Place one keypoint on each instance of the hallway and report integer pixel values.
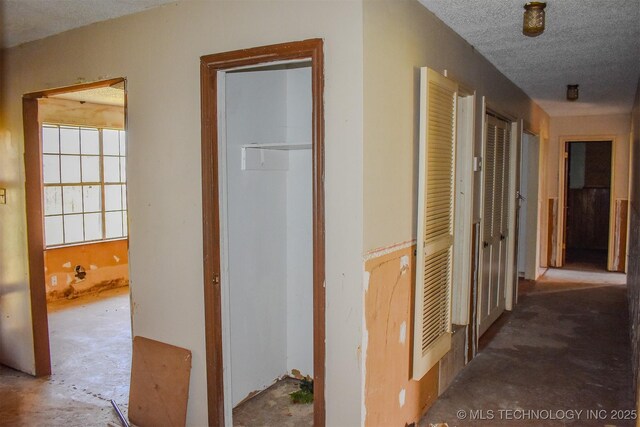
(564, 348)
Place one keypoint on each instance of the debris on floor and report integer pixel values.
(305, 394)
(273, 407)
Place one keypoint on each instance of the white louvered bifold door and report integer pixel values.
(489, 201)
(436, 182)
(505, 141)
(495, 218)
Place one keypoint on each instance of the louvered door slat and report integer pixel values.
(507, 161)
(498, 183)
(489, 181)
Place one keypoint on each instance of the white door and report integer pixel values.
(495, 221)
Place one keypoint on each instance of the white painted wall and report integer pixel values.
(16, 339)
(299, 225)
(158, 52)
(256, 199)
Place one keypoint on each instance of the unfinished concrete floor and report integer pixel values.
(90, 339)
(565, 347)
(273, 407)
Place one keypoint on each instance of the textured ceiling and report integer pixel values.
(593, 43)
(101, 95)
(26, 20)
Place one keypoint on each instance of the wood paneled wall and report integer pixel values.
(621, 214)
(588, 218)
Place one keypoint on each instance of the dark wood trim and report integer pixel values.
(35, 236)
(565, 206)
(551, 262)
(74, 88)
(210, 65)
(472, 330)
(620, 232)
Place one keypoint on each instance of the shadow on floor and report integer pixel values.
(586, 259)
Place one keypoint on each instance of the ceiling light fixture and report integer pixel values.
(572, 92)
(533, 22)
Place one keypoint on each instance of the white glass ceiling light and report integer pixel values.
(533, 22)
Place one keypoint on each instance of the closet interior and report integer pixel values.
(266, 199)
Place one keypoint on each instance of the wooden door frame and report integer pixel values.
(210, 65)
(35, 217)
(562, 187)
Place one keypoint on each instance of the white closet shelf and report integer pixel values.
(279, 146)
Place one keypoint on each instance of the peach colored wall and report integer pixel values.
(105, 263)
(618, 126)
(391, 396)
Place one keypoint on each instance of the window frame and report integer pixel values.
(102, 184)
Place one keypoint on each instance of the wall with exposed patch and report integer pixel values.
(391, 396)
(400, 36)
(105, 266)
(158, 52)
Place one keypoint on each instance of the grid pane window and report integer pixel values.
(84, 184)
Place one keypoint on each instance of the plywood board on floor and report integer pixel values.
(160, 376)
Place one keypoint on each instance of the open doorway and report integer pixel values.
(75, 150)
(263, 237)
(587, 204)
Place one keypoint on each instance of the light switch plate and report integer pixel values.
(3, 196)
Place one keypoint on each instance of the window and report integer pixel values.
(85, 184)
